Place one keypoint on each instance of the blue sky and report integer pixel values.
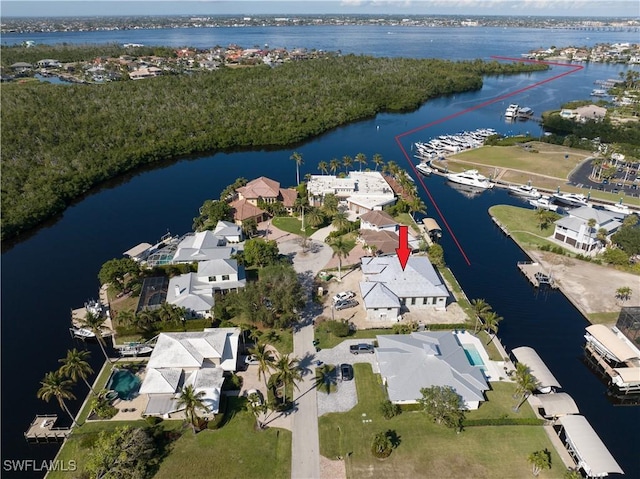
(586, 8)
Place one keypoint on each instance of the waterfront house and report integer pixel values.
(266, 190)
(379, 232)
(590, 112)
(243, 210)
(197, 358)
(410, 362)
(362, 191)
(574, 230)
(205, 246)
(386, 288)
(378, 221)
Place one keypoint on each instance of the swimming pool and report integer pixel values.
(473, 355)
(124, 382)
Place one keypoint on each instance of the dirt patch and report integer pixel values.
(332, 469)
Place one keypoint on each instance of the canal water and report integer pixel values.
(55, 269)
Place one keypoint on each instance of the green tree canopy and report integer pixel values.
(260, 252)
(211, 212)
(116, 270)
(443, 404)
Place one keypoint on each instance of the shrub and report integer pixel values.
(410, 407)
(389, 409)
(503, 421)
(381, 445)
(153, 420)
(232, 383)
(338, 328)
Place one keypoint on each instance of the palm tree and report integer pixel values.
(56, 385)
(362, 159)
(601, 235)
(624, 293)
(265, 360)
(314, 217)
(491, 320)
(340, 220)
(526, 383)
(126, 318)
(377, 160)
(75, 366)
(347, 161)
(191, 400)
(334, 164)
(323, 166)
(591, 224)
(325, 378)
(297, 157)
(287, 370)
(416, 205)
(94, 322)
(480, 307)
(341, 250)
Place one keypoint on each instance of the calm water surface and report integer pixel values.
(55, 269)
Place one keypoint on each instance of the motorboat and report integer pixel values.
(82, 333)
(424, 169)
(574, 200)
(543, 203)
(470, 178)
(525, 113)
(526, 191)
(511, 111)
(136, 349)
(618, 208)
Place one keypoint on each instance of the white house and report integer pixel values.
(203, 246)
(191, 358)
(378, 221)
(362, 190)
(410, 362)
(386, 287)
(574, 230)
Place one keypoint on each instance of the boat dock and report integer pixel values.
(42, 429)
(536, 275)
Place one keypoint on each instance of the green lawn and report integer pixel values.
(522, 225)
(406, 219)
(427, 449)
(236, 450)
(329, 340)
(292, 225)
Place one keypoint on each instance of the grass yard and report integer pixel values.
(406, 219)
(236, 450)
(522, 225)
(292, 225)
(329, 340)
(429, 450)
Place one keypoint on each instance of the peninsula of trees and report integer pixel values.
(59, 141)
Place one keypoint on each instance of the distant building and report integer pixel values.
(590, 112)
(574, 230)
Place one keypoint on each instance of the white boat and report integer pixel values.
(543, 203)
(525, 113)
(598, 92)
(82, 333)
(136, 349)
(512, 111)
(526, 191)
(618, 208)
(574, 200)
(470, 178)
(424, 169)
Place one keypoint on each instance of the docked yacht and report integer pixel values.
(543, 203)
(525, 113)
(618, 208)
(526, 191)
(512, 111)
(470, 178)
(574, 200)
(424, 169)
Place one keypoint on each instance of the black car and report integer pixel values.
(346, 372)
(349, 303)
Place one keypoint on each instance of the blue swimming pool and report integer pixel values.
(124, 382)
(473, 355)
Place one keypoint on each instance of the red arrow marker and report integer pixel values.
(403, 249)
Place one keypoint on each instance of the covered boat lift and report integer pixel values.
(433, 229)
(609, 345)
(557, 404)
(538, 368)
(586, 447)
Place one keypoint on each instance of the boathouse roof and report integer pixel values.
(538, 368)
(587, 448)
(558, 404)
(615, 345)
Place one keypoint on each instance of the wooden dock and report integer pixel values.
(536, 275)
(42, 429)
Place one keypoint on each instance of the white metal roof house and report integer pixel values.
(574, 229)
(202, 246)
(410, 362)
(192, 358)
(231, 232)
(362, 190)
(386, 287)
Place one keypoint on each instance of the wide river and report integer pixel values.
(55, 268)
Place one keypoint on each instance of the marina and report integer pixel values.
(445, 145)
(471, 178)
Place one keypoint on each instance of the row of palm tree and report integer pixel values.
(334, 164)
(486, 317)
(58, 384)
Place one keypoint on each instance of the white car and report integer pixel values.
(251, 359)
(343, 296)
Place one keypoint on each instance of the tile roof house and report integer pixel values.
(387, 288)
(267, 190)
(245, 210)
(574, 230)
(410, 362)
(191, 358)
(378, 221)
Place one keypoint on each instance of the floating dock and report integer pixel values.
(536, 275)
(42, 430)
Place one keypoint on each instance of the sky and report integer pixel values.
(582, 8)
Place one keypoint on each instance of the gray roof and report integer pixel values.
(377, 295)
(419, 278)
(557, 404)
(161, 404)
(591, 452)
(161, 381)
(202, 246)
(217, 266)
(538, 368)
(227, 229)
(580, 217)
(186, 291)
(425, 359)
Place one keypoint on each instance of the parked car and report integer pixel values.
(343, 296)
(361, 348)
(350, 303)
(346, 372)
(251, 359)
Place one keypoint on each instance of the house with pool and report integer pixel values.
(410, 362)
(199, 358)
